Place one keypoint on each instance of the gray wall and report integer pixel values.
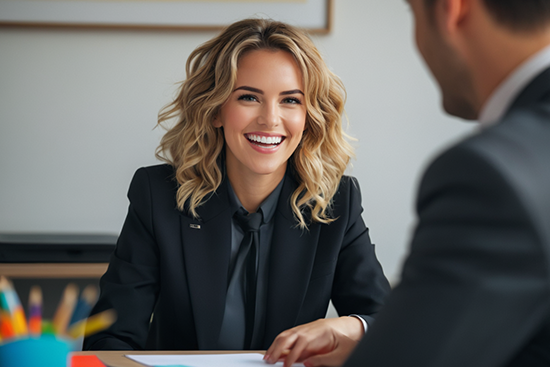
(78, 108)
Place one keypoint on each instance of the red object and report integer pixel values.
(35, 325)
(86, 361)
(6, 326)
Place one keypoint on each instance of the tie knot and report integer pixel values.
(249, 222)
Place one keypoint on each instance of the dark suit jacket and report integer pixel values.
(163, 266)
(475, 288)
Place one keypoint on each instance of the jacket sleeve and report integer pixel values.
(474, 286)
(360, 285)
(130, 285)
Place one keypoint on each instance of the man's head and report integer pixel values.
(470, 46)
(517, 15)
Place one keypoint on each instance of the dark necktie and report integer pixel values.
(250, 223)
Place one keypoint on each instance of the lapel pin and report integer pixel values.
(195, 226)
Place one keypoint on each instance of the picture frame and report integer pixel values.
(312, 15)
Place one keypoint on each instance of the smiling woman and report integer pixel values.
(212, 70)
(251, 227)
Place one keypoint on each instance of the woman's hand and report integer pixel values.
(325, 342)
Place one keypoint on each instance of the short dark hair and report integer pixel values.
(519, 15)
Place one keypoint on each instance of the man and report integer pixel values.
(475, 289)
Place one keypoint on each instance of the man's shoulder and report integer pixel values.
(512, 156)
(519, 141)
(518, 144)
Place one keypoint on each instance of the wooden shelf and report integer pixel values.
(53, 270)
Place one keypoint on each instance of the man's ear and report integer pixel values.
(451, 14)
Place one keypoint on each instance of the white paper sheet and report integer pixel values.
(204, 360)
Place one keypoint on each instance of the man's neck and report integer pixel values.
(497, 54)
(507, 91)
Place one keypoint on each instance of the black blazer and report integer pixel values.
(475, 288)
(164, 267)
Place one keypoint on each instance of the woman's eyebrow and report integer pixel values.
(255, 90)
(294, 91)
(259, 91)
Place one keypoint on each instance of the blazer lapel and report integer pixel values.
(290, 264)
(206, 247)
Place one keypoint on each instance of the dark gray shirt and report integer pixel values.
(233, 325)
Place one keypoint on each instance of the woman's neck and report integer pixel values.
(252, 190)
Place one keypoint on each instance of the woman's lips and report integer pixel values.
(264, 143)
(265, 139)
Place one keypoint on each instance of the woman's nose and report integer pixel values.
(270, 115)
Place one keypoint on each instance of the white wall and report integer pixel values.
(78, 107)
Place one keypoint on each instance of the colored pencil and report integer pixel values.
(6, 325)
(93, 324)
(65, 309)
(10, 303)
(4, 303)
(87, 300)
(35, 311)
(47, 328)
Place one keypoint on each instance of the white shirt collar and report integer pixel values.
(501, 99)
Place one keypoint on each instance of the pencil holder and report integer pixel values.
(46, 351)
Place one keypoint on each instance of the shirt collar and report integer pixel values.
(502, 98)
(267, 207)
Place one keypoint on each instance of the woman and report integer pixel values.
(258, 134)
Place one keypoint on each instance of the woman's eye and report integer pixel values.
(248, 97)
(292, 100)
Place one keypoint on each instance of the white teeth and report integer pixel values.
(264, 139)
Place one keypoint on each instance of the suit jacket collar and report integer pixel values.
(536, 91)
(290, 264)
(206, 247)
(508, 90)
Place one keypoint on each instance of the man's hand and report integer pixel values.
(325, 342)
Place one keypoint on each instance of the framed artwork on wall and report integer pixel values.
(313, 15)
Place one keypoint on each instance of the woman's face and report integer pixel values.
(264, 117)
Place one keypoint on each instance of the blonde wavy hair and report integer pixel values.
(194, 147)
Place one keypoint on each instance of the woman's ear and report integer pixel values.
(216, 121)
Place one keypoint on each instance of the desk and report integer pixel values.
(116, 358)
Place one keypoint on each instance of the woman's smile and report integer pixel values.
(264, 142)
